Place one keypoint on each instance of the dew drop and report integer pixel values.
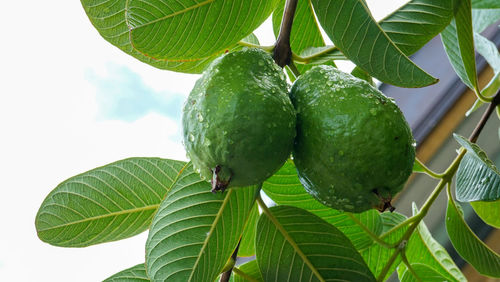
(200, 117)
(191, 137)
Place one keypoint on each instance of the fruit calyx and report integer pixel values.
(221, 177)
(385, 202)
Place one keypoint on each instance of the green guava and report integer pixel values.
(238, 121)
(354, 149)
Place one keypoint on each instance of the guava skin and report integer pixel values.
(354, 149)
(238, 121)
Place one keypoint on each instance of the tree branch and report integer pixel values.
(282, 54)
(491, 107)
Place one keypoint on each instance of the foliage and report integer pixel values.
(195, 235)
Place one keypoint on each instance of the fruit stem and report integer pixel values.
(282, 51)
(369, 232)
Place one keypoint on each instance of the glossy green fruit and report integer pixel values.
(238, 121)
(354, 149)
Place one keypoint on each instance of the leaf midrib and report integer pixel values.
(210, 232)
(294, 245)
(117, 213)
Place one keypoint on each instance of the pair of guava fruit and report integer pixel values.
(352, 146)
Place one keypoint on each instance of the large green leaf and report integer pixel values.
(416, 23)
(134, 274)
(458, 43)
(247, 272)
(247, 246)
(489, 212)
(424, 249)
(195, 231)
(295, 245)
(192, 29)
(377, 256)
(468, 245)
(105, 204)
(477, 177)
(424, 273)
(108, 17)
(485, 4)
(353, 30)
(284, 188)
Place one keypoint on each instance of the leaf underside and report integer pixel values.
(352, 29)
(109, 203)
(195, 231)
(295, 245)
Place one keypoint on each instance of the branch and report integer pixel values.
(226, 275)
(491, 107)
(282, 51)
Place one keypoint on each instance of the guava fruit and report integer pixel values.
(238, 121)
(354, 149)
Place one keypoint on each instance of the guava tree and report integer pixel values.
(197, 235)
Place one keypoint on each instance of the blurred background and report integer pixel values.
(70, 101)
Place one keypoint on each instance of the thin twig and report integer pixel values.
(491, 107)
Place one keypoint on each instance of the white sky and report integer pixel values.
(50, 131)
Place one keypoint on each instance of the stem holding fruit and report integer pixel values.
(282, 51)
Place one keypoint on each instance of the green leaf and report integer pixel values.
(470, 248)
(321, 55)
(109, 203)
(195, 231)
(489, 212)
(284, 188)
(247, 272)
(424, 272)
(190, 29)
(488, 50)
(377, 256)
(134, 274)
(477, 177)
(485, 4)
(424, 249)
(458, 43)
(247, 246)
(483, 18)
(359, 73)
(108, 17)
(416, 23)
(352, 29)
(305, 30)
(295, 245)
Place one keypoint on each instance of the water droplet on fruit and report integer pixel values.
(191, 137)
(200, 117)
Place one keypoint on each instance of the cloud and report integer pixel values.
(121, 94)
